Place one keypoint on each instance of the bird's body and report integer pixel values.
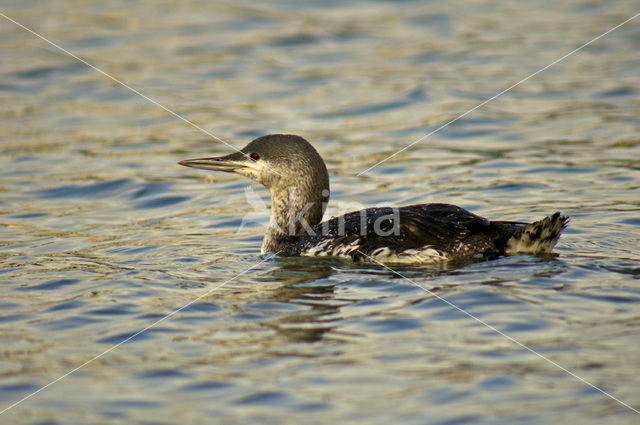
(425, 233)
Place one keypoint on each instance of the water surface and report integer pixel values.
(103, 234)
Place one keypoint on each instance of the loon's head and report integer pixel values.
(289, 167)
(275, 161)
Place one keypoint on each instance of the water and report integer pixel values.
(103, 234)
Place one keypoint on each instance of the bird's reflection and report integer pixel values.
(306, 283)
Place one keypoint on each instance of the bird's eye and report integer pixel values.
(255, 156)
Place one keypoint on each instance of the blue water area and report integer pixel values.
(87, 191)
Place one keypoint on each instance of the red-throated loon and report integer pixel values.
(298, 182)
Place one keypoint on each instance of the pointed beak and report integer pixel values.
(228, 163)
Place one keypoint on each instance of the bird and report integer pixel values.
(298, 182)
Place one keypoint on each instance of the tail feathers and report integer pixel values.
(538, 237)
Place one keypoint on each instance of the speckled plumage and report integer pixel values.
(427, 233)
(297, 179)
